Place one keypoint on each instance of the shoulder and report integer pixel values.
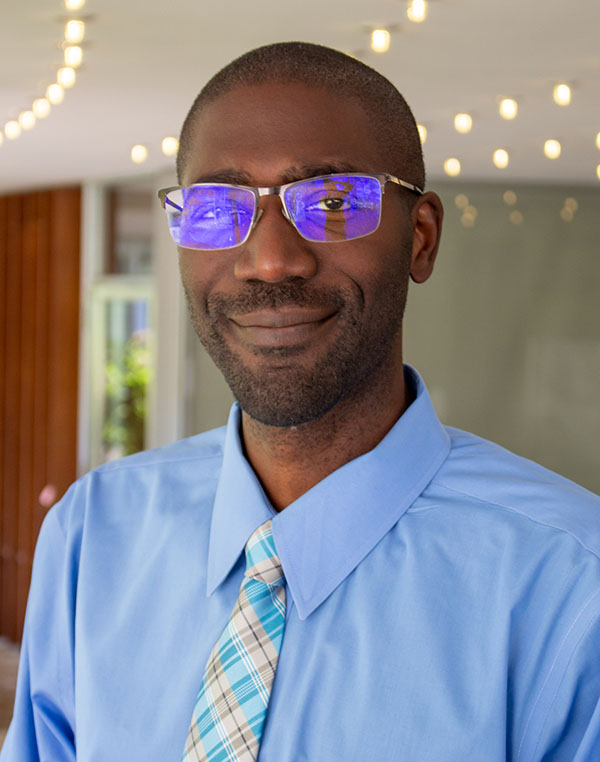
(506, 486)
(201, 447)
(173, 477)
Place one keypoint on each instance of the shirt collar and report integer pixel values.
(326, 533)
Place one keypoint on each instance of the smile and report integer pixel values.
(280, 327)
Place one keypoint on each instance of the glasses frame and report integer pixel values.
(279, 190)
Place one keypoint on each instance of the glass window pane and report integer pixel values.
(127, 375)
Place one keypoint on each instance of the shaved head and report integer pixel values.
(393, 125)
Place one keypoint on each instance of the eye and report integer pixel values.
(331, 204)
(338, 201)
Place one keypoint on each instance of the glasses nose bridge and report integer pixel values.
(272, 190)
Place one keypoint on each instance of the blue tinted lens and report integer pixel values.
(335, 208)
(210, 216)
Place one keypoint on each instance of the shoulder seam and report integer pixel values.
(515, 510)
(116, 466)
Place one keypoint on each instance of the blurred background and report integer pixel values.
(97, 357)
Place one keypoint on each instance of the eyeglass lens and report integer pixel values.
(322, 209)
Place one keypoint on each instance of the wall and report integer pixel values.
(507, 331)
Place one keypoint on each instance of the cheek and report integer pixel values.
(199, 271)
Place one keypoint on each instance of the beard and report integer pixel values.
(288, 385)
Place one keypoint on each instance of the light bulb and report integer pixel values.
(380, 40)
(510, 198)
(461, 201)
(74, 5)
(169, 146)
(66, 76)
(73, 56)
(139, 154)
(27, 120)
(500, 158)
(74, 31)
(55, 94)
(423, 133)
(562, 94)
(12, 129)
(516, 217)
(508, 108)
(572, 204)
(41, 107)
(552, 149)
(417, 11)
(452, 167)
(598, 140)
(1, 138)
(463, 123)
(597, 168)
(567, 214)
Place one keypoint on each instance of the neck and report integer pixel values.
(290, 460)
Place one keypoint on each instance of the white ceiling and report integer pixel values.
(144, 61)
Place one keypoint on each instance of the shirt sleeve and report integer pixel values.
(564, 725)
(43, 723)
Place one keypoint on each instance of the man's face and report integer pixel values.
(295, 326)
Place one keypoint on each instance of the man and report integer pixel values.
(411, 592)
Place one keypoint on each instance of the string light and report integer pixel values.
(508, 108)
(562, 94)
(139, 154)
(572, 204)
(12, 129)
(55, 94)
(461, 201)
(423, 133)
(598, 140)
(597, 168)
(417, 11)
(452, 167)
(169, 146)
(73, 56)
(500, 158)
(74, 31)
(27, 120)
(552, 149)
(41, 108)
(567, 214)
(516, 217)
(509, 197)
(66, 76)
(380, 40)
(463, 123)
(469, 216)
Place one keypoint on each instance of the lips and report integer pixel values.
(282, 326)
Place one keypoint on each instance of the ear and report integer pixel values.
(427, 215)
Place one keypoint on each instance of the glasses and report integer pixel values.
(339, 207)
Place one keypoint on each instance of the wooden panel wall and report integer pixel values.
(39, 333)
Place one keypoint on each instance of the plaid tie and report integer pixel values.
(231, 707)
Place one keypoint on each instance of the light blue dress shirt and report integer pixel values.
(443, 605)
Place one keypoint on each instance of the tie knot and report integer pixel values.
(262, 561)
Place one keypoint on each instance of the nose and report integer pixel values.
(275, 250)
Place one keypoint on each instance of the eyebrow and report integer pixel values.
(290, 175)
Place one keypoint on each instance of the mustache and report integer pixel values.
(260, 295)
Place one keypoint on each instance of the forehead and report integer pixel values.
(264, 131)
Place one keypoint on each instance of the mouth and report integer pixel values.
(281, 327)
